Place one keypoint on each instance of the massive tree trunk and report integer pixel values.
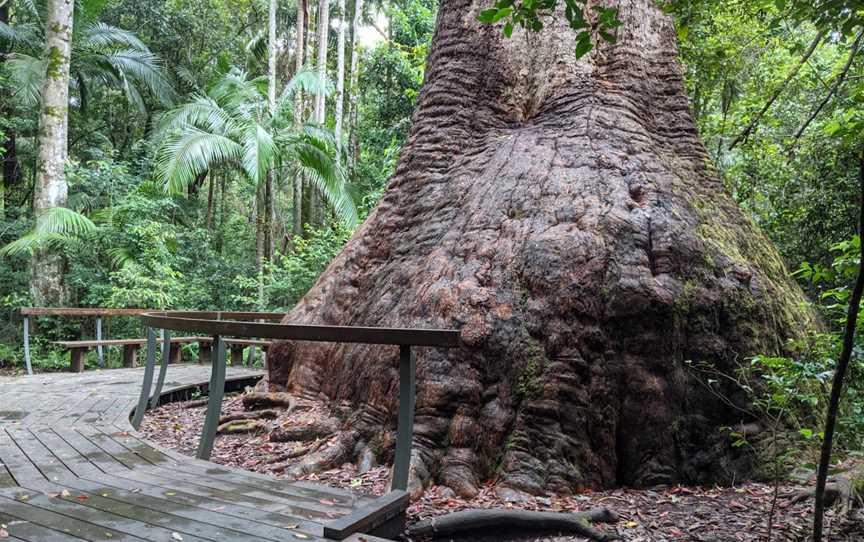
(50, 190)
(564, 216)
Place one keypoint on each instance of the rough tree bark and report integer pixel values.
(50, 190)
(565, 217)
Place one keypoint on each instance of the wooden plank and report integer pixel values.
(30, 532)
(339, 507)
(12, 503)
(48, 464)
(369, 517)
(79, 311)
(16, 461)
(238, 527)
(171, 484)
(124, 342)
(6, 479)
(117, 520)
(105, 462)
(100, 509)
(184, 500)
(340, 334)
(115, 450)
(74, 461)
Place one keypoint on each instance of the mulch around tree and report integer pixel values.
(661, 514)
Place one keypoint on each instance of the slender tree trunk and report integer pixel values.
(840, 372)
(210, 190)
(316, 211)
(7, 146)
(302, 21)
(271, 101)
(50, 190)
(340, 80)
(353, 84)
(563, 215)
(260, 246)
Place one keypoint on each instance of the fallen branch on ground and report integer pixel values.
(507, 520)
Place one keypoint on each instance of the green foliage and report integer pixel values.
(529, 14)
(293, 273)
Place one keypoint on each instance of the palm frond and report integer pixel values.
(55, 228)
(120, 257)
(133, 67)
(308, 81)
(185, 155)
(202, 112)
(98, 35)
(328, 179)
(26, 74)
(259, 152)
(31, 242)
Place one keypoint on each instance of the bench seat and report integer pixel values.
(78, 349)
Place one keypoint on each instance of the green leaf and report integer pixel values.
(583, 44)
(487, 15)
(508, 29)
(501, 13)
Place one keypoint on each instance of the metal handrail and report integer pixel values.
(239, 324)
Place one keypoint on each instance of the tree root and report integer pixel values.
(334, 454)
(237, 427)
(508, 520)
(842, 490)
(256, 400)
(259, 415)
(303, 433)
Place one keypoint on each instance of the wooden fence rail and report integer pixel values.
(243, 325)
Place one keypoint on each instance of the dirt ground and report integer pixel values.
(660, 514)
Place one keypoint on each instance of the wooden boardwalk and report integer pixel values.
(72, 468)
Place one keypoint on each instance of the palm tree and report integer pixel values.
(102, 55)
(233, 125)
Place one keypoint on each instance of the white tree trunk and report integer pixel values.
(340, 77)
(353, 82)
(50, 190)
(316, 211)
(271, 56)
(297, 222)
(323, 32)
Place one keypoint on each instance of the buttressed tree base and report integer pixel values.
(563, 214)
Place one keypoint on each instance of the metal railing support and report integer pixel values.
(99, 353)
(214, 404)
(148, 379)
(163, 368)
(405, 425)
(27, 345)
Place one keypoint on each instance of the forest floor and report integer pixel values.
(663, 514)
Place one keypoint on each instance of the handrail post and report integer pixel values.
(163, 368)
(148, 379)
(99, 353)
(27, 345)
(405, 424)
(214, 403)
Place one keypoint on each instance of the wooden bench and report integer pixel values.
(78, 350)
(236, 346)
